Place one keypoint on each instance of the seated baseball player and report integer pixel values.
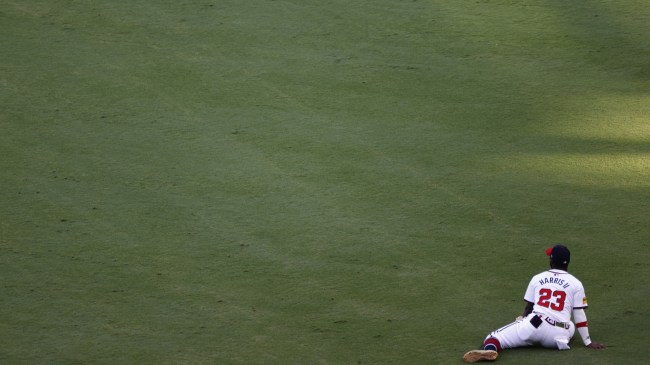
(551, 298)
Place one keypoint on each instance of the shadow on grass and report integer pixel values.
(616, 34)
(588, 146)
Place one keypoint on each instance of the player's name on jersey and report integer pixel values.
(554, 280)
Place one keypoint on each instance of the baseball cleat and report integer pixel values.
(480, 355)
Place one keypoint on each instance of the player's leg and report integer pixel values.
(515, 334)
(508, 336)
(555, 337)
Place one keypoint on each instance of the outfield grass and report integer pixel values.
(303, 182)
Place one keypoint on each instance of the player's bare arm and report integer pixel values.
(529, 308)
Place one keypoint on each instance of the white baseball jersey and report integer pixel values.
(555, 293)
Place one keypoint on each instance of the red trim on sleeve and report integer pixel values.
(581, 324)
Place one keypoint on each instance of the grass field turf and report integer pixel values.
(301, 182)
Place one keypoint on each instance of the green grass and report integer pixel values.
(302, 182)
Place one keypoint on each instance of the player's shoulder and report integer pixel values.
(537, 278)
(575, 279)
(564, 275)
(567, 276)
(539, 274)
(550, 272)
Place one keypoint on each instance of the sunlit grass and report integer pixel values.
(592, 141)
(616, 171)
(614, 117)
(295, 182)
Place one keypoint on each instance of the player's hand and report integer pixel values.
(596, 346)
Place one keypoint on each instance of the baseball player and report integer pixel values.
(551, 298)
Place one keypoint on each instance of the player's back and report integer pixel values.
(556, 293)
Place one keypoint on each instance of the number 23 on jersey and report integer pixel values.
(551, 299)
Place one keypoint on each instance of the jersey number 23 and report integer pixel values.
(551, 299)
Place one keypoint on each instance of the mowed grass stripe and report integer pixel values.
(296, 182)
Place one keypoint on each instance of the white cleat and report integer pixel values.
(480, 355)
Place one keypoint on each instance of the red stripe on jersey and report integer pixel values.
(581, 324)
